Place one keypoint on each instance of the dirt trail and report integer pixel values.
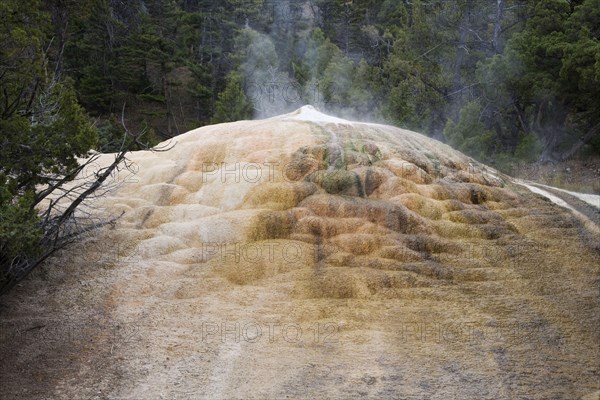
(586, 204)
(585, 207)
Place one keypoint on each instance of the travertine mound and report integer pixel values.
(371, 199)
(410, 271)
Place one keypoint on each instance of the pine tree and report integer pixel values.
(546, 81)
(44, 130)
(232, 104)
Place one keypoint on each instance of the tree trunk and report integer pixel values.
(498, 26)
(461, 49)
(580, 143)
(346, 23)
(549, 141)
(549, 124)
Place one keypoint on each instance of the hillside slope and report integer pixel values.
(306, 256)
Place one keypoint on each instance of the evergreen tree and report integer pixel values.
(44, 130)
(546, 81)
(232, 104)
(530, 66)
